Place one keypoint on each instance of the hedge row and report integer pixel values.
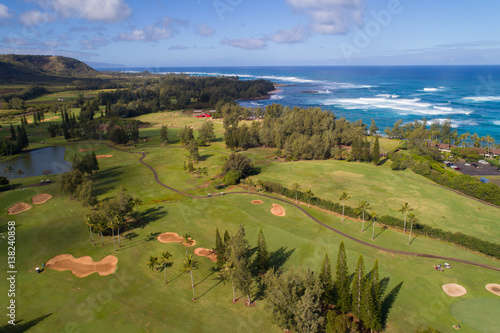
(469, 242)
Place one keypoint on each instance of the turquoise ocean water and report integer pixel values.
(467, 95)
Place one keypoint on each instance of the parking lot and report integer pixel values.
(481, 170)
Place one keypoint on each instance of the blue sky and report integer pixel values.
(172, 33)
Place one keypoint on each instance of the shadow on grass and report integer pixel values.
(205, 157)
(384, 228)
(209, 289)
(23, 327)
(148, 216)
(152, 236)
(106, 180)
(279, 257)
(206, 277)
(175, 278)
(388, 302)
(412, 239)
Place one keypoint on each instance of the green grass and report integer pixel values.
(484, 314)
(136, 299)
(386, 191)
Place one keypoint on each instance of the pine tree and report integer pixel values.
(108, 107)
(371, 313)
(373, 128)
(262, 259)
(240, 258)
(358, 284)
(164, 134)
(219, 250)
(342, 292)
(325, 276)
(227, 238)
(12, 133)
(376, 151)
(365, 150)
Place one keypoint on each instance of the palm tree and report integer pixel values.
(19, 172)
(101, 226)
(153, 263)
(374, 218)
(412, 219)
(9, 170)
(405, 208)
(250, 183)
(343, 197)
(165, 257)
(187, 240)
(309, 195)
(88, 221)
(363, 205)
(190, 264)
(118, 224)
(261, 184)
(112, 224)
(296, 187)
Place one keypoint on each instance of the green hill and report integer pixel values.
(32, 68)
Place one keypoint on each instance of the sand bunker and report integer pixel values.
(257, 202)
(172, 237)
(83, 266)
(90, 149)
(40, 198)
(454, 290)
(202, 252)
(104, 156)
(278, 210)
(493, 288)
(18, 208)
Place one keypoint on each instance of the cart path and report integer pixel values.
(412, 254)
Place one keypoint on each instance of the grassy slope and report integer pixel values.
(146, 304)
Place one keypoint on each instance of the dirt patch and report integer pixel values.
(90, 149)
(257, 202)
(104, 156)
(278, 210)
(83, 266)
(40, 198)
(202, 252)
(18, 208)
(172, 237)
(493, 288)
(454, 290)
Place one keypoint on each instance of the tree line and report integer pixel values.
(467, 241)
(181, 91)
(299, 134)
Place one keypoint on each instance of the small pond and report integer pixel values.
(38, 162)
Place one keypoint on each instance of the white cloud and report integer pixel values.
(290, 36)
(54, 43)
(95, 43)
(205, 30)
(4, 12)
(163, 29)
(245, 43)
(109, 11)
(148, 34)
(16, 41)
(177, 47)
(36, 17)
(331, 17)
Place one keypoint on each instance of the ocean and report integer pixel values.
(469, 96)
